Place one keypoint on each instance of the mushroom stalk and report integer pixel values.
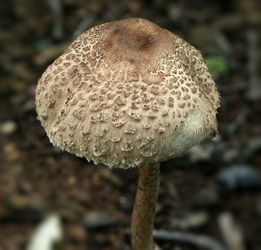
(144, 208)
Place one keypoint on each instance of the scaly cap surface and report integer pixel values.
(127, 93)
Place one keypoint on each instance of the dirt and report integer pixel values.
(37, 179)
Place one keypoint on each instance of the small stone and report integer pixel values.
(8, 127)
(97, 220)
(239, 176)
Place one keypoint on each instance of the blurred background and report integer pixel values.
(211, 196)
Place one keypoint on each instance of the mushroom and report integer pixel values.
(129, 94)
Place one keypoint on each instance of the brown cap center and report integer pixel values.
(136, 41)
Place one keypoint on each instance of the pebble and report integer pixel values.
(97, 220)
(8, 127)
(239, 176)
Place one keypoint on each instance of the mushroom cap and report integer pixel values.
(127, 93)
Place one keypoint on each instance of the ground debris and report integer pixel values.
(38, 179)
(98, 220)
(239, 176)
(8, 127)
(201, 241)
(47, 235)
(231, 232)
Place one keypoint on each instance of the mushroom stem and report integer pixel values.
(144, 208)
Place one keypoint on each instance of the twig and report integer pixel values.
(50, 53)
(231, 232)
(56, 8)
(254, 91)
(198, 240)
(83, 25)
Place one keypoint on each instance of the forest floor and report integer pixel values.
(94, 203)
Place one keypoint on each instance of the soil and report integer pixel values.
(38, 180)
